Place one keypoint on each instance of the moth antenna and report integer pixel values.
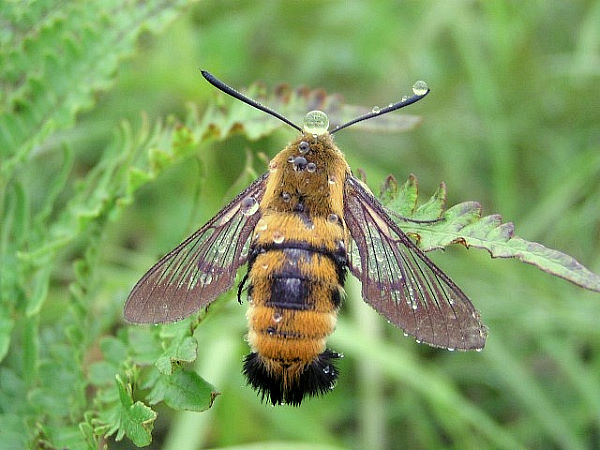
(236, 94)
(379, 112)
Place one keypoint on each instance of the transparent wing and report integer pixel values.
(201, 267)
(403, 284)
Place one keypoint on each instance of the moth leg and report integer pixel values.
(241, 288)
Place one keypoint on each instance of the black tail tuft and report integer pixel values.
(317, 378)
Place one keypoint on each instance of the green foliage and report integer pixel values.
(83, 215)
(463, 224)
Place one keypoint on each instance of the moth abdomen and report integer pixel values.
(295, 297)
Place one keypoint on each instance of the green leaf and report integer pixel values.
(180, 346)
(114, 350)
(183, 390)
(127, 418)
(144, 344)
(61, 62)
(464, 224)
(40, 291)
(401, 200)
(13, 433)
(6, 327)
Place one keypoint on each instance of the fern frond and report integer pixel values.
(54, 68)
(464, 224)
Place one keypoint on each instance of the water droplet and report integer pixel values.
(285, 197)
(341, 245)
(244, 251)
(404, 98)
(270, 331)
(277, 317)
(261, 225)
(332, 218)
(316, 122)
(417, 341)
(303, 147)
(420, 88)
(299, 163)
(272, 166)
(478, 350)
(450, 349)
(291, 159)
(414, 306)
(326, 369)
(375, 110)
(331, 179)
(278, 237)
(249, 206)
(405, 334)
(311, 167)
(390, 105)
(265, 266)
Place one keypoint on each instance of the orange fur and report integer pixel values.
(288, 344)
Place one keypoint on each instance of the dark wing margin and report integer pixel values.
(201, 267)
(403, 284)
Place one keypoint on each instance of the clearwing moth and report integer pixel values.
(300, 227)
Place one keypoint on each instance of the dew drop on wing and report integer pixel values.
(332, 218)
(311, 167)
(249, 206)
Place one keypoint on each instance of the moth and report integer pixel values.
(300, 227)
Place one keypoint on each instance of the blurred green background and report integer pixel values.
(512, 121)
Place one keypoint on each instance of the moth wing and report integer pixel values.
(401, 282)
(200, 268)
